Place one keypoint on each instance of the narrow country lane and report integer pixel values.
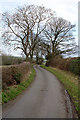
(44, 98)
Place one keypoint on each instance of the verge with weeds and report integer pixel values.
(70, 82)
(14, 91)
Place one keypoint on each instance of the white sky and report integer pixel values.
(68, 9)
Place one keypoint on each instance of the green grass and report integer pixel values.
(12, 92)
(70, 82)
(0, 97)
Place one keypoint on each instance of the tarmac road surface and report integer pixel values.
(44, 98)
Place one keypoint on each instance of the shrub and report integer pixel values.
(75, 66)
(12, 91)
(17, 77)
(69, 64)
(15, 74)
(47, 63)
(4, 86)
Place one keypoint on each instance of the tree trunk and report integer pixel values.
(53, 49)
(26, 57)
(37, 58)
(31, 55)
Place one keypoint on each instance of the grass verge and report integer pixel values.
(12, 92)
(70, 82)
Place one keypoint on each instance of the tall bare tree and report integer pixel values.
(59, 32)
(24, 27)
(35, 29)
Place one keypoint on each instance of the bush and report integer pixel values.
(47, 63)
(75, 66)
(12, 92)
(17, 77)
(69, 64)
(4, 86)
(15, 74)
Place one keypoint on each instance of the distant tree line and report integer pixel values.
(11, 60)
(37, 31)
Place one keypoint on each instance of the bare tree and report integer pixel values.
(24, 27)
(35, 30)
(59, 33)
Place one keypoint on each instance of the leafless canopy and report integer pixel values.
(35, 28)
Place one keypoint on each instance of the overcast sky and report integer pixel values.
(68, 9)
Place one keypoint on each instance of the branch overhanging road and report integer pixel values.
(44, 98)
